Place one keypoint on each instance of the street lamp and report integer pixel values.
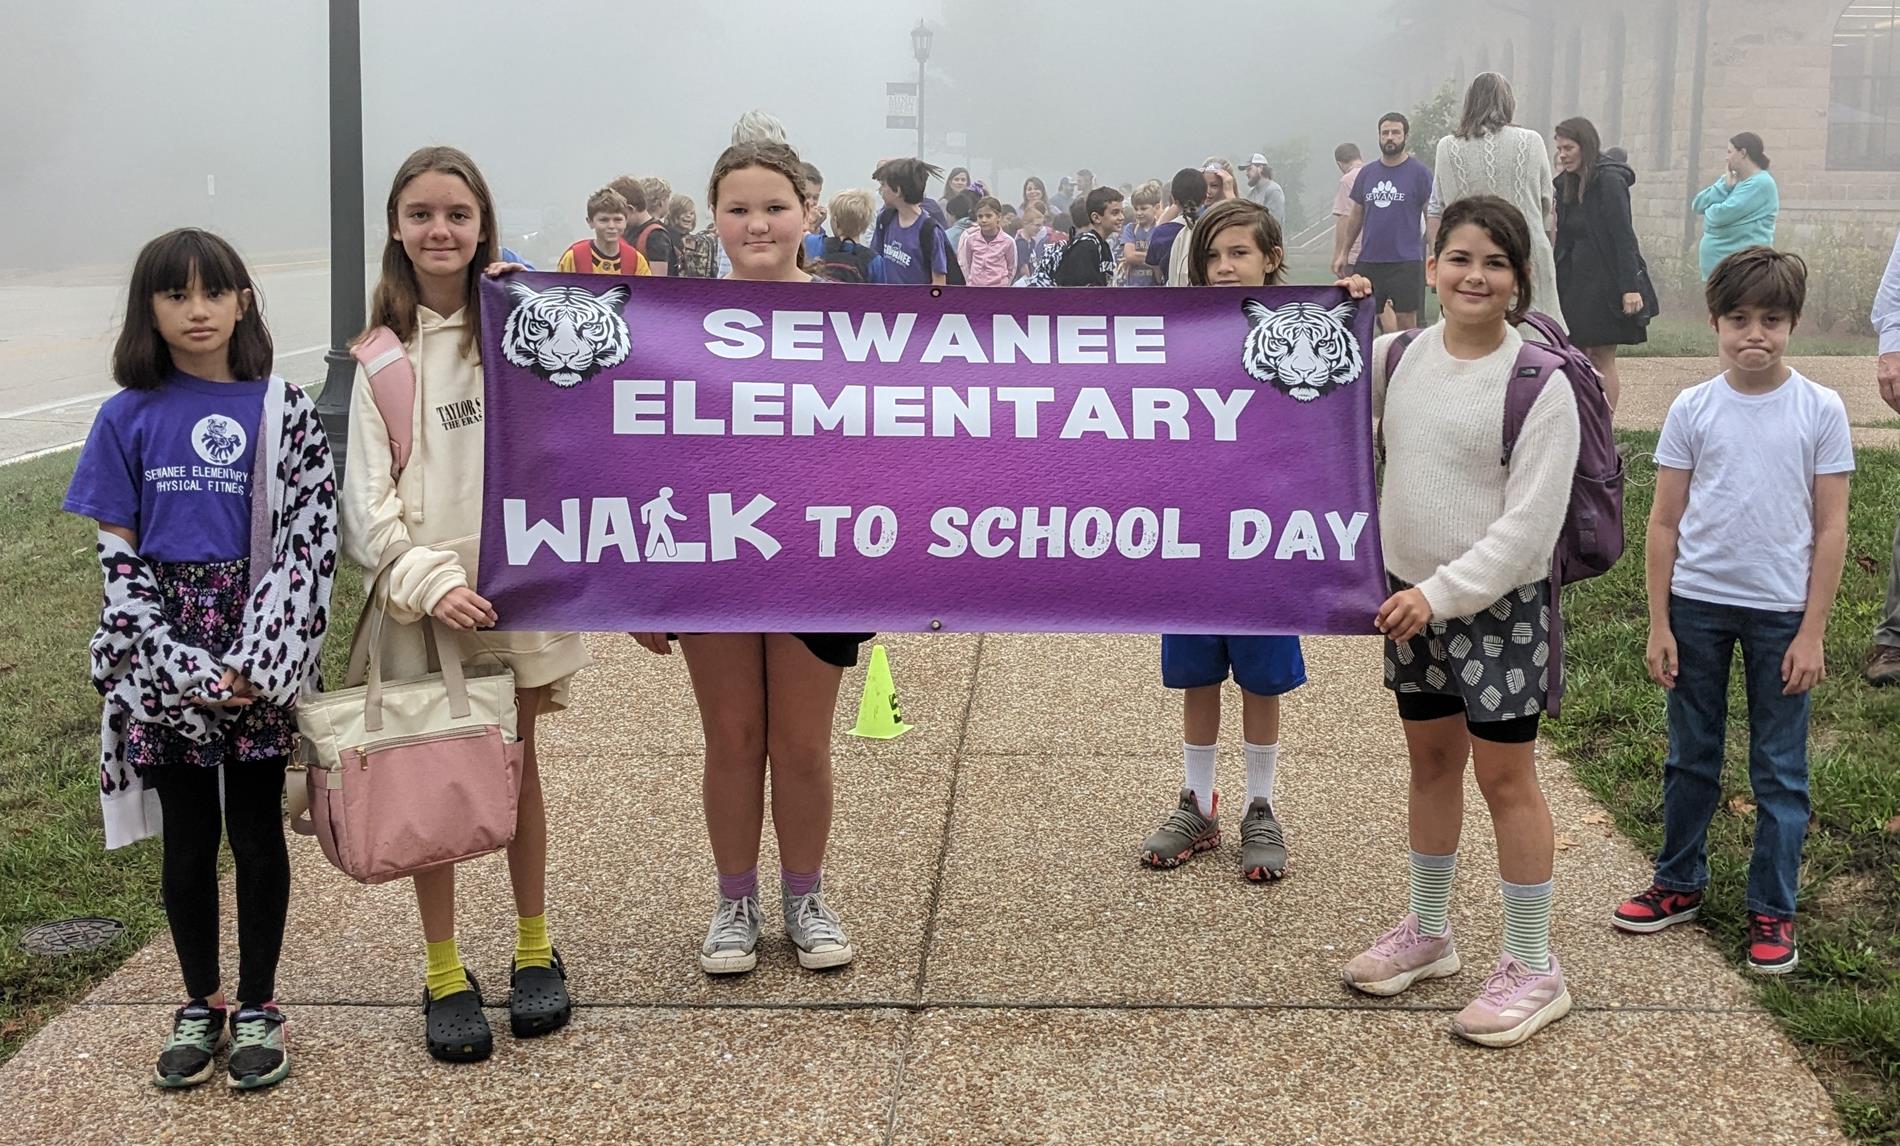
(920, 37)
(346, 223)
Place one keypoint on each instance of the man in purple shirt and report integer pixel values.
(1388, 215)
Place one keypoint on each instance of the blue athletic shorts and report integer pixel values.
(1264, 666)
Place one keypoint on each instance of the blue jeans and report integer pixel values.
(1706, 635)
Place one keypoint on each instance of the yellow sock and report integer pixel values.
(446, 976)
(532, 948)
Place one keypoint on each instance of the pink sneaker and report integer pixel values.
(1515, 1004)
(1401, 957)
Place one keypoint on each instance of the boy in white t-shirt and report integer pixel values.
(1746, 540)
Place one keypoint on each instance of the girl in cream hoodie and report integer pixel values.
(442, 232)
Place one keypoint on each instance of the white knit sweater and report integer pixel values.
(1454, 522)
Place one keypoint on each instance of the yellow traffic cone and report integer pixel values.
(879, 718)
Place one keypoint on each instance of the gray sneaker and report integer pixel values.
(814, 929)
(1262, 843)
(732, 942)
(1185, 834)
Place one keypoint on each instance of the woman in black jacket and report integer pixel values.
(1599, 265)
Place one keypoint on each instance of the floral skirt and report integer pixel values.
(204, 604)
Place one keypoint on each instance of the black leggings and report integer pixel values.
(254, 817)
(1437, 706)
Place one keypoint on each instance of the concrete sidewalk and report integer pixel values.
(1020, 978)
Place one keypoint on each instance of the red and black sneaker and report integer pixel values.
(1771, 947)
(1656, 909)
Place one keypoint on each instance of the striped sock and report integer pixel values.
(1527, 922)
(1431, 891)
(446, 976)
(533, 948)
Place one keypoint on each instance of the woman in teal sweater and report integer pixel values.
(1739, 209)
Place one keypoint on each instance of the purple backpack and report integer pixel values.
(1592, 536)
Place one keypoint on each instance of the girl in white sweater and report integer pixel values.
(442, 232)
(1467, 549)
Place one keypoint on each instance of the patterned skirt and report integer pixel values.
(204, 604)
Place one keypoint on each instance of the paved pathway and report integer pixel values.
(1021, 979)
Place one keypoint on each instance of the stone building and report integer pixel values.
(1671, 80)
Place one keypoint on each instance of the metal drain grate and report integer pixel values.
(70, 936)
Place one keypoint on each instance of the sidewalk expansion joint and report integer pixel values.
(949, 817)
(918, 1007)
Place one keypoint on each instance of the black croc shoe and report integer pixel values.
(538, 1003)
(458, 1031)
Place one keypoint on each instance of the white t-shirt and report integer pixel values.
(1747, 537)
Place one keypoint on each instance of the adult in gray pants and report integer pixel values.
(1883, 662)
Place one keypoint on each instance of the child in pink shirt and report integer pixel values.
(987, 255)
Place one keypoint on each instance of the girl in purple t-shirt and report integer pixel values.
(200, 654)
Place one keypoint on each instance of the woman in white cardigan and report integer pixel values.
(1489, 155)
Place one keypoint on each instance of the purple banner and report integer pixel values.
(707, 456)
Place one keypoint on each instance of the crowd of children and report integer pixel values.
(216, 590)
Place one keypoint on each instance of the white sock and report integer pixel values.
(1262, 759)
(1198, 762)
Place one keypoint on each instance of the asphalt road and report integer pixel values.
(57, 331)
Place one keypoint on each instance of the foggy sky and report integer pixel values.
(116, 113)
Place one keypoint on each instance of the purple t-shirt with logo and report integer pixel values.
(1394, 199)
(174, 466)
(903, 251)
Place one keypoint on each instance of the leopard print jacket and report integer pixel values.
(145, 674)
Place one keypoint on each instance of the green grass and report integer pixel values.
(1675, 337)
(1843, 1003)
(52, 858)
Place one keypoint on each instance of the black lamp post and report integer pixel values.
(346, 222)
(920, 37)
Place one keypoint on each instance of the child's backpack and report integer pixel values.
(698, 256)
(842, 261)
(1042, 271)
(1592, 535)
(929, 238)
(646, 233)
(392, 384)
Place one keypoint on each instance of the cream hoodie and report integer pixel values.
(437, 507)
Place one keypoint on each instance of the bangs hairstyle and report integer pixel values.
(1262, 227)
(991, 204)
(141, 360)
(1504, 225)
(1147, 195)
(607, 201)
(1100, 200)
(677, 208)
(398, 294)
(1489, 106)
(1759, 277)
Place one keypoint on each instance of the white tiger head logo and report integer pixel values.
(565, 334)
(1303, 348)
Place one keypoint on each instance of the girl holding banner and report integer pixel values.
(766, 697)
(1468, 651)
(442, 232)
(1236, 243)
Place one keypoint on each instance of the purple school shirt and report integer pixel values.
(903, 252)
(174, 466)
(1394, 199)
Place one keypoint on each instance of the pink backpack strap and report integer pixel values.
(392, 384)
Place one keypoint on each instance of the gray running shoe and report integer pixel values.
(1262, 843)
(732, 942)
(814, 929)
(1185, 833)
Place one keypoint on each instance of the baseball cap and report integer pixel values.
(1258, 159)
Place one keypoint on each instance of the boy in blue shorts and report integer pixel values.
(1265, 668)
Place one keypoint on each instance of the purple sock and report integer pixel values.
(745, 885)
(797, 883)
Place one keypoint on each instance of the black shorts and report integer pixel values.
(837, 649)
(1401, 284)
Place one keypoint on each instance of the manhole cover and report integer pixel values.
(70, 936)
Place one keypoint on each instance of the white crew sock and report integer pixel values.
(1198, 764)
(1262, 759)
